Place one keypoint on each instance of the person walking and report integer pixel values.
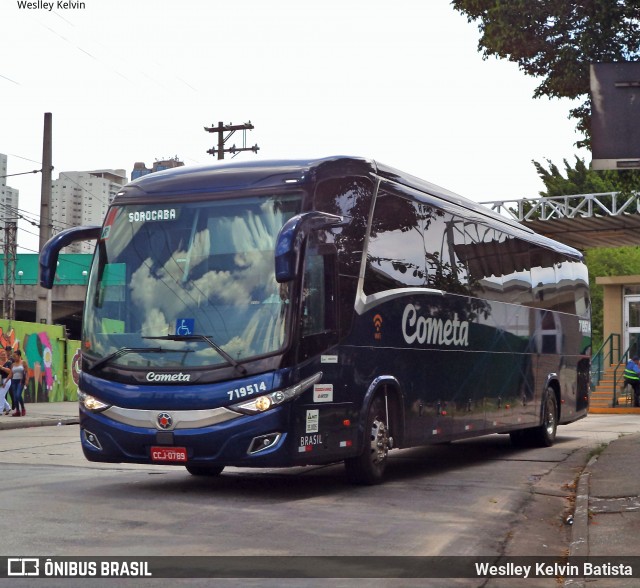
(19, 379)
(632, 377)
(5, 381)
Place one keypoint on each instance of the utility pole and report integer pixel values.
(10, 232)
(43, 304)
(221, 129)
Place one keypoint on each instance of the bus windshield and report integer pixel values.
(187, 284)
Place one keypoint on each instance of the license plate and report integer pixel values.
(168, 454)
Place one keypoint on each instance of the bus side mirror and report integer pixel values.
(291, 237)
(51, 249)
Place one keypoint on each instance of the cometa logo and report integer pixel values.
(179, 377)
(377, 323)
(433, 331)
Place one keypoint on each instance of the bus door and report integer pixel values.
(323, 422)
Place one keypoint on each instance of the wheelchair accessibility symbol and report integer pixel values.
(185, 326)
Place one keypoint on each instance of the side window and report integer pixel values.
(392, 241)
(351, 198)
(484, 258)
(566, 285)
(581, 291)
(413, 244)
(543, 278)
(516, 277)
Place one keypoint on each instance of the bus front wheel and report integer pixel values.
(204, 470)
(368, 467)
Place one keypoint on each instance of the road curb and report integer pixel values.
(18, 423)
(579, 546)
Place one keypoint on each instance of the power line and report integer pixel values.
(25, 158)
(10, 80)
(35, 171)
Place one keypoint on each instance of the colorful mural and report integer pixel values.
(53, 360)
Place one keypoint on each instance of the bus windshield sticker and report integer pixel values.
(328, 359)
(185, 326)
(313, 417)
(108, 223)
(323, 392)
(143, 216)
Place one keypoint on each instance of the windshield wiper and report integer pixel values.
(123, 351)
(209, 341)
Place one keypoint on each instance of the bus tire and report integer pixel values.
(545, 434)
(368, 467)
(210, 471)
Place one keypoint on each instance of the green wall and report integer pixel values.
(53, 360)
(72, 268)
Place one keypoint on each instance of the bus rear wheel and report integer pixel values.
(204, 470)
(543, 435)
(368, 467)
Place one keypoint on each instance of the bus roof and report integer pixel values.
(265, 174)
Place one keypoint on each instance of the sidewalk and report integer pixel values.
(43, 414)
(607, 511)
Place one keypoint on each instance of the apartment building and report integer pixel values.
(9, 197)
(82, 198)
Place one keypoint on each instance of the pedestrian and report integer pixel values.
(632, 377)
(5, 381)
(19, 379)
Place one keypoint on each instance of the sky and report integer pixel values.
(401, 82)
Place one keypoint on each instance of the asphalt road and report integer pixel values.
(477, 497)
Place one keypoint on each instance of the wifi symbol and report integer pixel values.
(377, 322)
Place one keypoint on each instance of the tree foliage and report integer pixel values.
(601, 261)
(556, 41)
(582, 180)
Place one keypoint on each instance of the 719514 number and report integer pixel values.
(248, 390)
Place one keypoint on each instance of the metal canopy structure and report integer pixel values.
(581, 221)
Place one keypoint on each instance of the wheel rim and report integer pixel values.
(379, 441)
(550, 417)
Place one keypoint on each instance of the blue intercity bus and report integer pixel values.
(288, 313)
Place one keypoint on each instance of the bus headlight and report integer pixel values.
(268, 401)
(91, 402)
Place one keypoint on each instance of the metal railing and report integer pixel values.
(631, 351)
(608, 354)
(574, 206)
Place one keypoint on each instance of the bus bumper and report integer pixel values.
(244, 441)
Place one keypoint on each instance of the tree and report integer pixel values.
(557, 40)
(582, 180)
(601, 261)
